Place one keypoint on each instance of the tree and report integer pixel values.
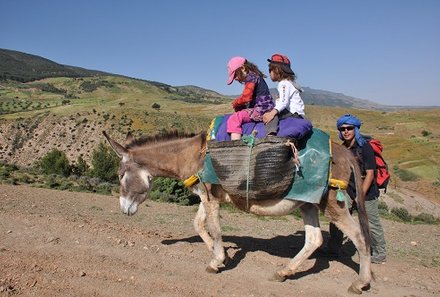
(80, 167)
(105, 163)
(55, 162)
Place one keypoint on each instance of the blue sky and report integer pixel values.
(386, 51)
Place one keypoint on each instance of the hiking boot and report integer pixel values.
(378, 259)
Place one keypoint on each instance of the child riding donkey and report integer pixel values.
(255, 99)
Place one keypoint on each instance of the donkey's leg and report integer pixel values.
(345, 222)
(313, 240)
(338, 214)
(200, 227)
(218, 251)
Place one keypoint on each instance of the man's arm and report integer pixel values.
(369, 163)
(368, 180)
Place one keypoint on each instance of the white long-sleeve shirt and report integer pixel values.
(289, 98)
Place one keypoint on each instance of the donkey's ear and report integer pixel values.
(119, 149)
(129, 138)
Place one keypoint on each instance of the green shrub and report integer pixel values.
(104, 188)
(25, 179)
(383, 208)
(402, 213)
(65, 185)
(88, 86)
(297, 213)
(55, 162)
(51, 89)
(105, 164)
(6, 170)
(80, 168)
(83, 185)
(52, 182)
(426, 133)
(406, 175)
(171, 190)
(425, 218)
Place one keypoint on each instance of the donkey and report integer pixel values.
(180, 156)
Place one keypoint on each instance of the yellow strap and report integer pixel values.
(337, 183)
(211, 127)
(190, 181)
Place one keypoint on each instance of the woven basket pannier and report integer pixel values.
(263, 172)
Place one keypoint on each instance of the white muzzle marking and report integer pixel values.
(128, 206)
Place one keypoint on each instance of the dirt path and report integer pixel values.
(55, 243)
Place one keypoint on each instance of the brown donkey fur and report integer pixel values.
(180, 156)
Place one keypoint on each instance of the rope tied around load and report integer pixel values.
(250, 141)
(295, 154)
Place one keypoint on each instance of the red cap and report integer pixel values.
(279, 58)
(283, 61)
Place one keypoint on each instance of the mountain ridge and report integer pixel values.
(24, 67)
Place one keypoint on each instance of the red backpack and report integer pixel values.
(383, 175)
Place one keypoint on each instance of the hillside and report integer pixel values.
(326, 98)
(25, 67)
(69, 113)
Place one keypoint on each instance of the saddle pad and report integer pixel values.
(291, 127)
(311, 182)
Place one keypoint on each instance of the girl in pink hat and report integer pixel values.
(255, 99)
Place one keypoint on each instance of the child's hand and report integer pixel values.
(268, 116)
(236, 105)
(240, 102)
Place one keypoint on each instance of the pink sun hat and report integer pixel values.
(233, 64)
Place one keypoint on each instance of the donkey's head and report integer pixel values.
(135, 180)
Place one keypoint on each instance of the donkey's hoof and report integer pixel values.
(209, 269)
(354, 290)
(277, 278)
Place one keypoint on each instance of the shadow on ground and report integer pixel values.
(280, 246)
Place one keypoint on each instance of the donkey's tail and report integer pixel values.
(360, 202)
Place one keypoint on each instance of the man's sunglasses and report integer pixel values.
(348, 128)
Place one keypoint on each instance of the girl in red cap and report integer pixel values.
(289, 103)
(255, 99)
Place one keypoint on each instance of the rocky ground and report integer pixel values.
(55, 243)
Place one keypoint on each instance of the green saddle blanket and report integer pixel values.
(310, 181)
